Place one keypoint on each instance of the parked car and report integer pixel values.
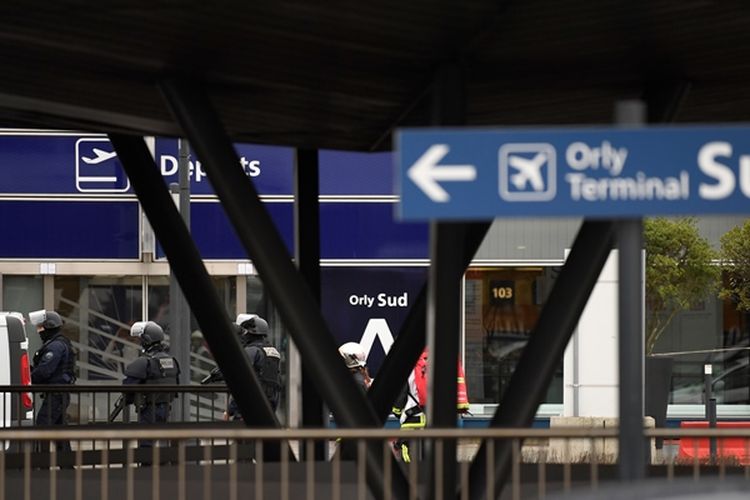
(731, 385)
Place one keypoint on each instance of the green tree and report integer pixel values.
(679, 272)
(735, 261)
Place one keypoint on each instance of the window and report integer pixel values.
(98, 313)
(24, 294)
(502, 307)
(717, 334)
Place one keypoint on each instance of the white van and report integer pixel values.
(14, 370)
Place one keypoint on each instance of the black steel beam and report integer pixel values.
(297, 305)
(664, 98)
(196, 284)
(632, 447)
(545, 349)
(632, 450)
(444, 299)
(443, 335)
(411, 338)
(307, 257)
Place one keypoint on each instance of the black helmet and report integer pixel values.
(49, 320)
(148, 331)
(253, 324)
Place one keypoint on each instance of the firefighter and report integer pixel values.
(410, 407)
(356, 360)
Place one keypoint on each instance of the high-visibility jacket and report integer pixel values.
(420, 383)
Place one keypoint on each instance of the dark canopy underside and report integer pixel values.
(342, 75)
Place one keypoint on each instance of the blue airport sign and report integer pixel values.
(79, 164)
(592, 172)
(75, 182)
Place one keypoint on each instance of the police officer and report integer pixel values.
(264, 358)
(155, 366)
(53, 363)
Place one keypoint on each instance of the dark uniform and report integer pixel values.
(53, 363)
(154, 367)
(265, 359)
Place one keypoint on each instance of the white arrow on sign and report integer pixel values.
(426, 173)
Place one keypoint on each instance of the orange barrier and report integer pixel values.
(733, 448)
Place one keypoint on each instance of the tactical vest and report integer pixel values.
(268, 370)
(161, 369)
(67, 366)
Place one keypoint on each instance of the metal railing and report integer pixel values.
(93, 404)
(226, 463)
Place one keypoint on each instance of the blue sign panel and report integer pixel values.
(479, 174)
(69, 230)
(98, 169)
(39, 168)
(47, 164)
(369, 305)
(350, 173)
(348, 231)
(68, 163)
(368, 231)
(269, 167)
(215, 237)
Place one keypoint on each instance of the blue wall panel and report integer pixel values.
(216, 237)
(368, 231)
(69, 230)
(348, 231)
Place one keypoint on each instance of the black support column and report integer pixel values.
(632, 448)
(297, 305)
(307, 256)
(444, 302)
(195, 282)
(545, 349)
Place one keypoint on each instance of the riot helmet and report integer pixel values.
(46, 320)
(253, 324)
(148, 331)
(353, 354)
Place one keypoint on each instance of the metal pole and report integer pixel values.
(444, 301)
(711, 414)
(632, 447)
(307, 256)
(179, 310)
(296, 304)
(184, 170)
(710, 403)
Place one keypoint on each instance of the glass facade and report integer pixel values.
(258, 302)
(502, 306)
(24, 294)
(714, 333)
(98, 312)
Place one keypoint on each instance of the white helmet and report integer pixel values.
(353, 354)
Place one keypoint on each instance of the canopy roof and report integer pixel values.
(343, 75)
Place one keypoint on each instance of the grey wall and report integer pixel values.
(534, 239)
